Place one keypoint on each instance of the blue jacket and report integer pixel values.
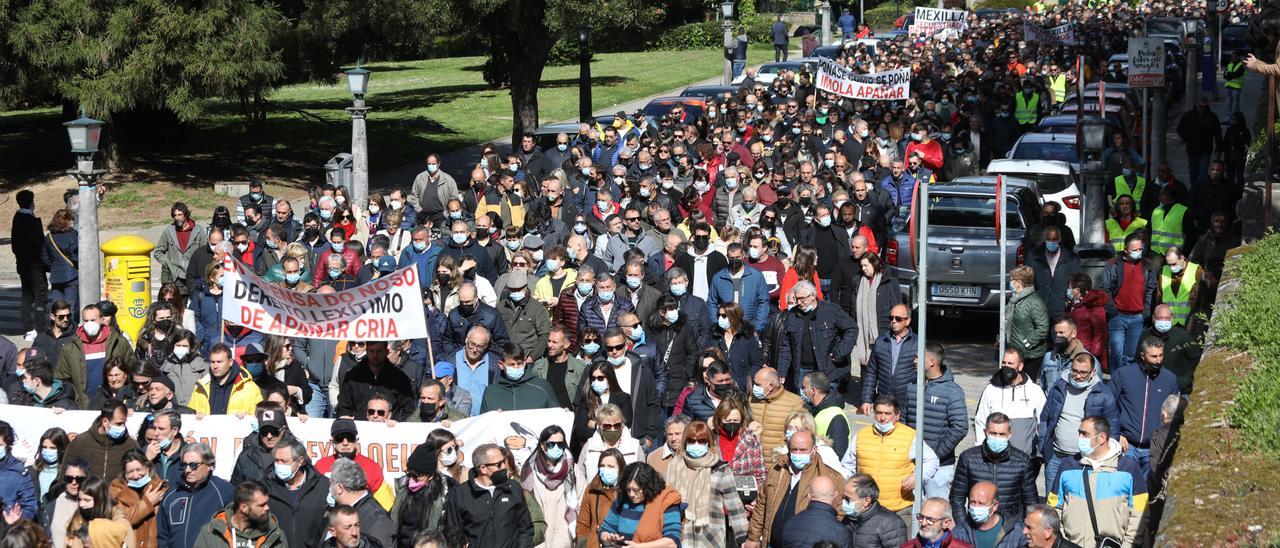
(184, 513)
(60, 270)
(818, 522)
(753, 297)
(1139, 397)
(207, 309)
(16, 486)
(698, 405)
(1011, 537)
(883, 377)
(901, 190)
(425, 261)
(745, 356)
(455, 332)
(592, 316)
(1100, 402)
(946, 416)
(833, 336)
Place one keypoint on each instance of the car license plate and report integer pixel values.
(960, 291)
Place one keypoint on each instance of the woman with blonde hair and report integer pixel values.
(802, 420)
(713, 511)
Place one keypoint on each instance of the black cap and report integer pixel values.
(165, 380)
(107, 308)
(343, 426)
(422, 460)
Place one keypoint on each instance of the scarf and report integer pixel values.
(865, 309)
(552, 476)
(692, 478)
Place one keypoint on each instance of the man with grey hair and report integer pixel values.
(674, 430)
(1043, 528)
(298, 495)
(475, 365)
(935, 524)
(189, 504)
(489, 509)
(869, 523)
(692, 307)
(349, 486)
(818, 336)
(470, 312)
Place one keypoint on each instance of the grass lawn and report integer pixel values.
(418, 106)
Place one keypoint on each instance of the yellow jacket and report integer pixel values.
(245, 395)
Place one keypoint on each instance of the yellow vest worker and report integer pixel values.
(1123, 188)
(887, 459)
(1058, 85)
(1238, 81)
(1027, 111)
(1116, 235)
(1166, 228)
(1179, 298)
(824, 418)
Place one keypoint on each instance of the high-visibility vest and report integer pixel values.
(1178, 298)
(1166, 228)
(1058, 84)
(1122, 188)
(1235, 83)
(1027, 111)
(887, 459)
(1116, 235)
(824, 418)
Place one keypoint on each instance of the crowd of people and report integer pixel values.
(706, 293)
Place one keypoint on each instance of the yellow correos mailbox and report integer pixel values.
(126, 280)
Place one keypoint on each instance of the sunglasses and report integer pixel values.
(898, 318)
(599, 378)
(74, 479)
(377, 412)
(269, 431)
(192, 465)
(706, 441)
(344, 438)
(611, 426)
(616, 346)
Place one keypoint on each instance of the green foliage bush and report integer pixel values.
(1001, 4)
(1249, 320)
(709, 35)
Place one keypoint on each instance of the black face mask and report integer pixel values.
(311, 233)
(470, 274)
(467, 309)
(1060, 344)
(1008, 375)
(767, 224)
(499, 477)
(731, 428)
(427, 410)
(345, 455)
(735, 265)
(700, 243)
(722, 390)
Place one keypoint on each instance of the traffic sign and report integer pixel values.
(1146, 62)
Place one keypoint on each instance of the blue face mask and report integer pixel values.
(757, 391)
(1085, 446)
(997, 445)
(1163, 326)
(555, 453)
(673, 316)
(1071, 295)
(591, 348)
(517, 296)
(459, 237)
(165, 443)
(1136, 255)
(605, 296)
(255, 369)
(884, 427)
(140, 482)
(799, 462)
(848, 508)
(50, 456)
(514, 373)
(334, 273)
(697, 450)
(1051, 247)
(420, 246)
(609, 476)
(329, 500)
(338, 247)
(580, 228)
(562, 147)
(513, 245)
(723, 322)
(433, 168)
(599, 387)
(634, 282)
(4, 452)
(116, 431)
(637, 333)
(618, 360)
(1079, 385)
(584, 288)
(678, 290)
(292, 278)
(980, 514)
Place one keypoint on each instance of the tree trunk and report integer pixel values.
(519, 44)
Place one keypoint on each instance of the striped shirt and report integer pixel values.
(625, 517)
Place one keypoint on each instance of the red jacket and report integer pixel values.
(1091, 323)
(932, 152)
(565, 312)
(949, 542)
(321, 268)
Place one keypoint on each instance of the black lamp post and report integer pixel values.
(584, 74)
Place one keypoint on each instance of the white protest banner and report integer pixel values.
(390, 447)
(1146, 62)
(388, 308)
(930, 21)
(1061, 34)
(892, 85)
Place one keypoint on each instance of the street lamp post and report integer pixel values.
(358, 82)
(726, 11)
(1094, 214)
(84, 133)
(584, 74)
(825, 7)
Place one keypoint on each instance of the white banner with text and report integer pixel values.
(930, 21)
(893, 85)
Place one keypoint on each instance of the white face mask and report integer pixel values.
(180, 352)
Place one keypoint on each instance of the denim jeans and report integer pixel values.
(1142, 456)
(738, 67)
(1051, 467)
(1233, 102)
(1197, 166)
(940, 484)
(318, 407)
(1123, 332)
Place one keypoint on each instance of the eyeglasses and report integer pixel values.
(611, 426)
(377, 412)
(74, 479)
(192, 465)
(899, 318)
(613, 347)
(928, 520)
(474, 346)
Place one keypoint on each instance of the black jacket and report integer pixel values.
(833, 334)
(1052, 287)
(815, 524)
(360, 383)
(375, 522)
(946, 417)
(883, 376)
(27, 233)
(493, 521)
(255, 461)
(646, 403)
(745, 356)
(876, 528)
(1011, 471)
(677, 351)
(455, 332)
(300, 517)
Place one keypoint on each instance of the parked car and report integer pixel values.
(963, 246)
(769, 71)
(545, 135)
(1046, 146)
(1057, 182)
(709, 91)
(1235, 38)
(662, 106)
(1066, 123)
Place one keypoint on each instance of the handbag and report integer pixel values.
(1101, 540)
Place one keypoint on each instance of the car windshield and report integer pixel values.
(970, 211)
(1048, 183)
(1062, 151)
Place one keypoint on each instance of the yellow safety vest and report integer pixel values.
(1116, 235)
(1178, 298)
(1235, 83)
(1058, 84)
(887, 459)
(1166, 228)
(1122, 188)
(1027, 111)
(824, 418)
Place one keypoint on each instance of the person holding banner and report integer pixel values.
(489, 510)
(227, 389)
(516, 389)
(190, 503)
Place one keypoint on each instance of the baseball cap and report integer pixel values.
(343, 426)
(444, 369)
(270, 418)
